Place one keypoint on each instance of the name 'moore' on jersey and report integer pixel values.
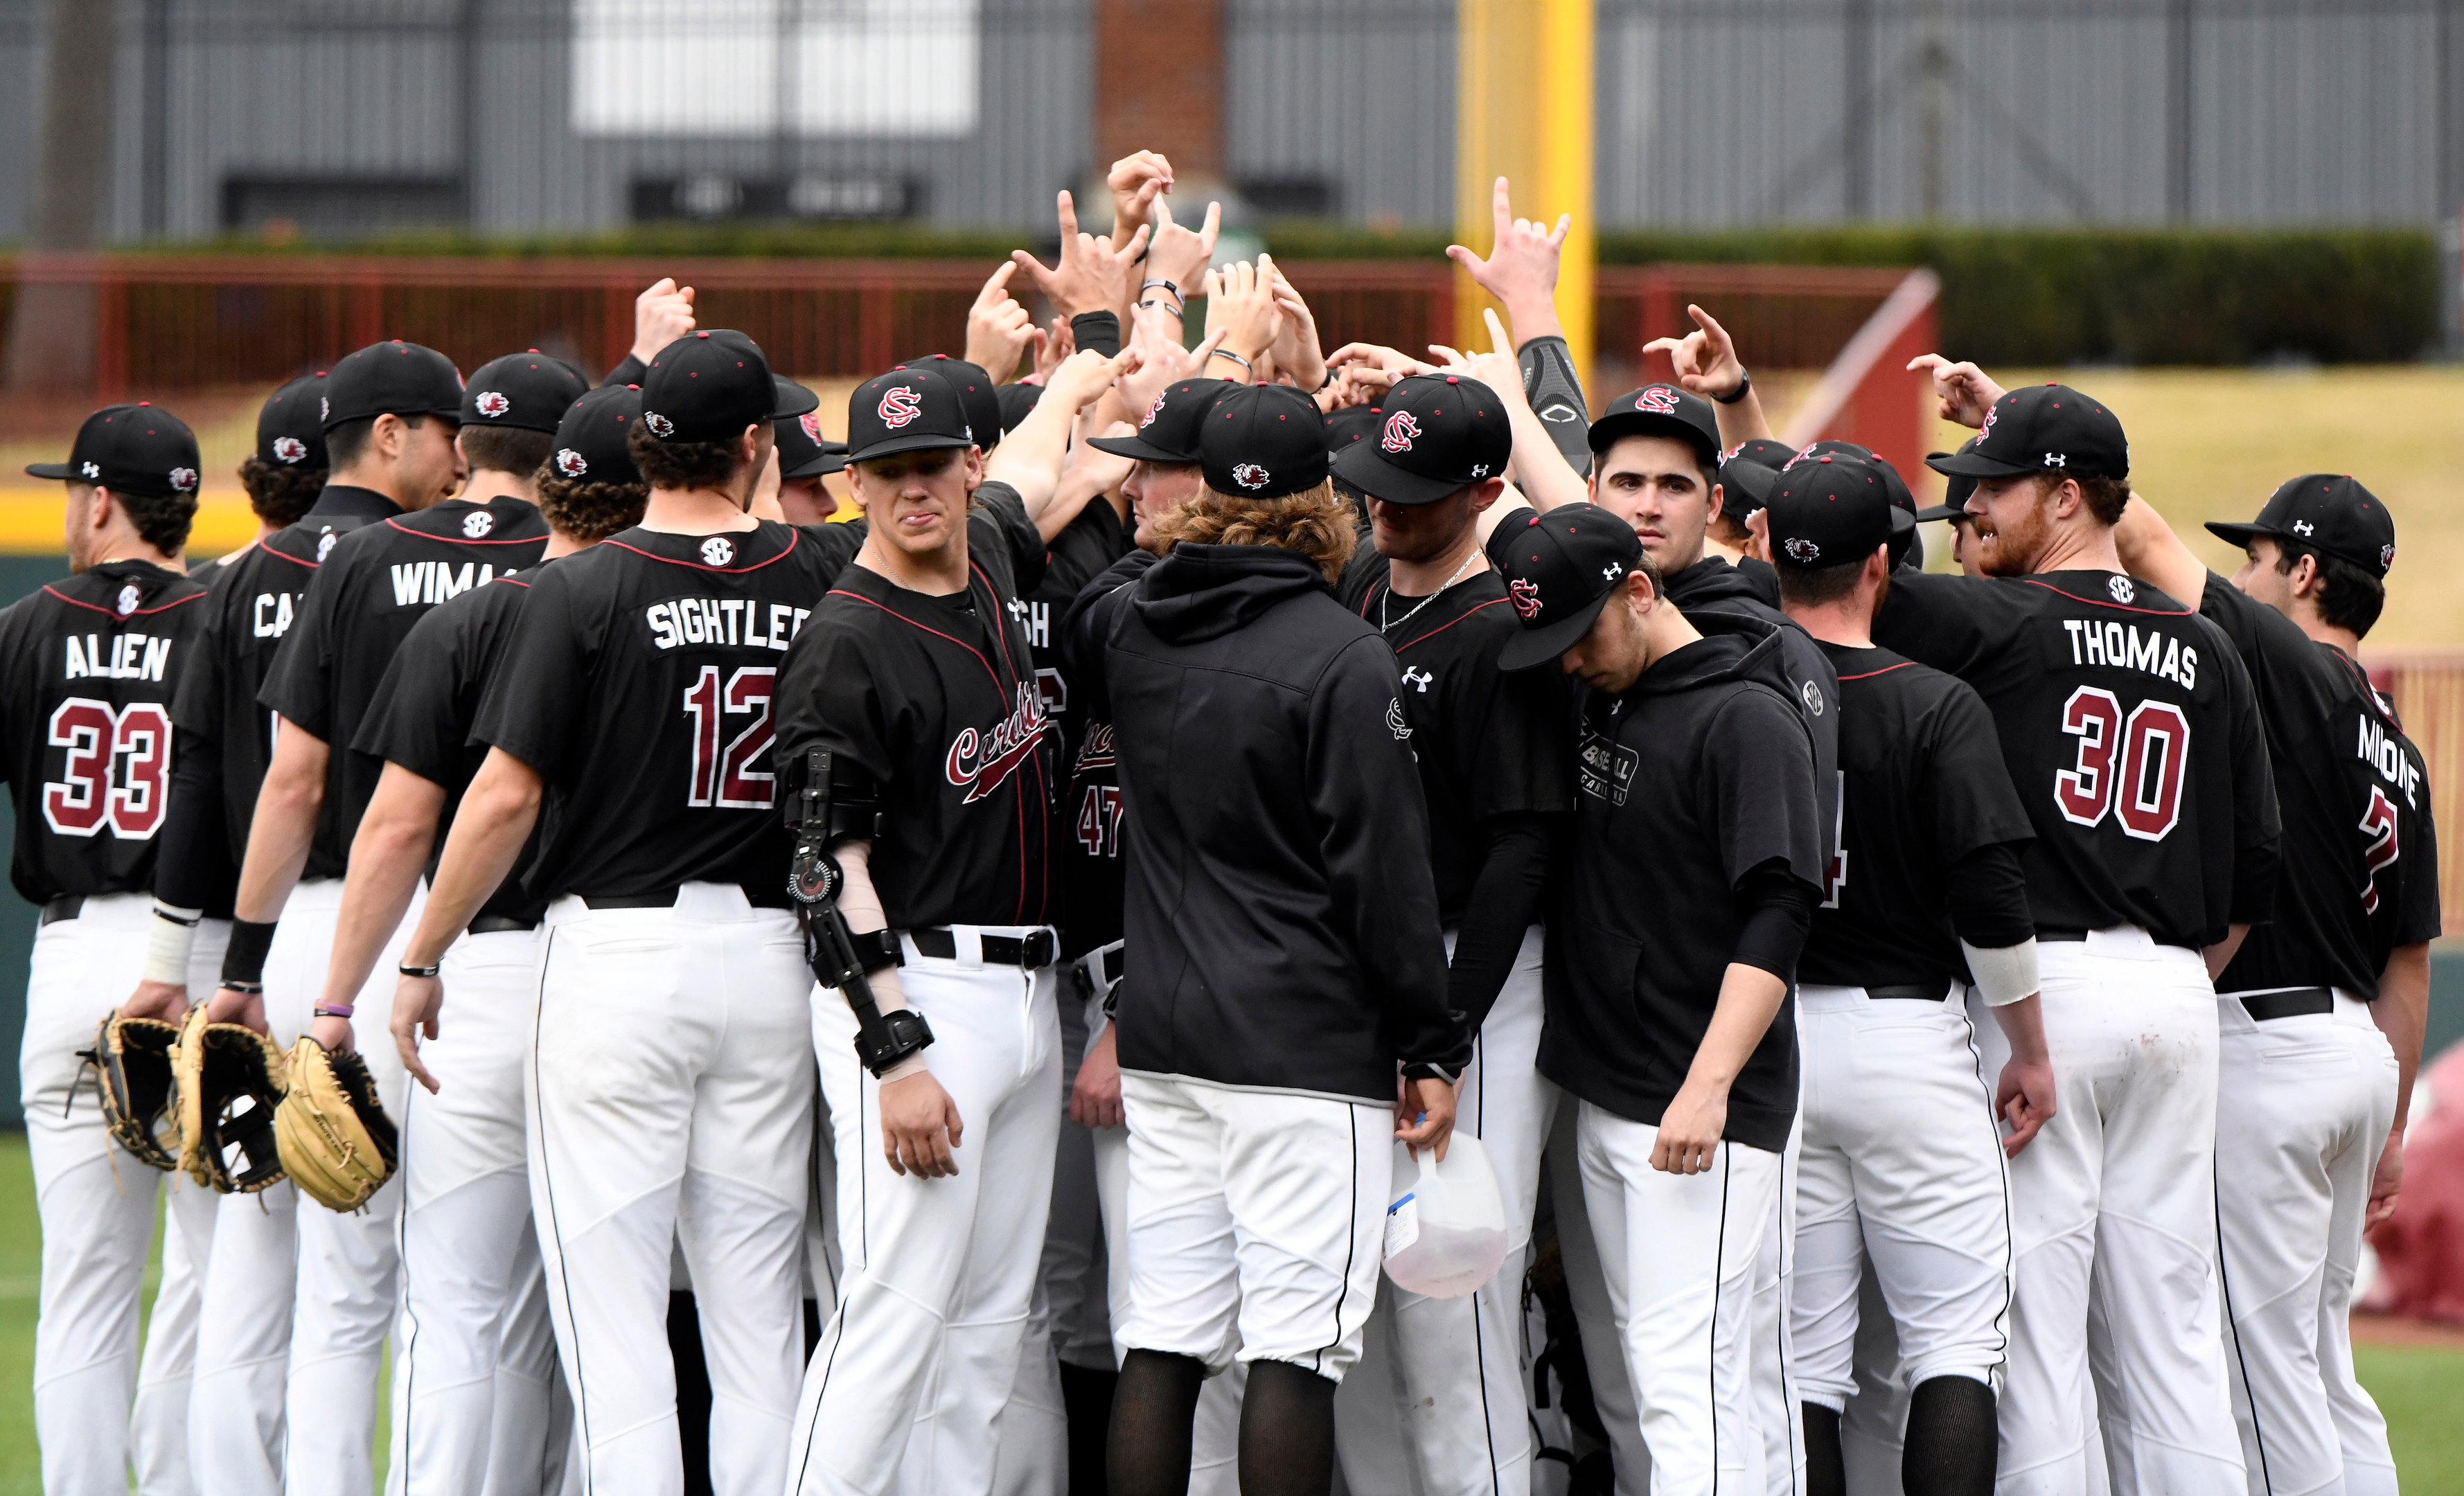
(2132, 737)
(256, 598)
(2361, 849)
(639, 688)
(936, 698)
(85, 715)
(374, 585)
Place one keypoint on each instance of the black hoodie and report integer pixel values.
(1717, 597)
(1697, 802)
(1281, 920)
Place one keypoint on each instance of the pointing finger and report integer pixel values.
(1498, 340)
(1069, 215)
(1214, 223)
(1565, 226)
(997, 285)
(1501, 211)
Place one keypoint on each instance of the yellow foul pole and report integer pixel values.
(1524, 111)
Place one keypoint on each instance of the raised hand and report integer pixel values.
(1156, 358)
(661, 314)
(1297, 351)
(1138, 183)
(1050, 349)
(1240, 302)
(1392, 361)
(1081, 378)
(999, 329)
(1093, 275)
(1706, 359)
(1521, 270)
(1963, 390)
(1180, 254)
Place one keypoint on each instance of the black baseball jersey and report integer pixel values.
(85, 715)
(423, 710)
(936, 697)
(2361, 856)
(376, 583)
(1922, 787)
(255, 597)
(639, 688)
(2132, 737)
(1488, 743)
(1092, 809)
(1091, 540)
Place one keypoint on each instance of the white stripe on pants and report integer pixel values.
(906, 1389)
(672, 1106)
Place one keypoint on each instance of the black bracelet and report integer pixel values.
(1744, 386)
(408, 970)
(244, 958)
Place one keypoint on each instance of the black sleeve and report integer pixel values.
(192, 865)
(1937, 620)
(1505, 901)
(299, 681)
(1557, 396)
(1774, 911)
(1100, 331)
(412, 719)
(1969, 802)
(2420, 918)
(533, 708)
(826, 698)
(1987, 895)
(628, 372)
(1026, 554)
(1087, 630)
(2258, 832)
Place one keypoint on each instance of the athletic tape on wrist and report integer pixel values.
(2004, 973)
(244, 960)
(169, 936)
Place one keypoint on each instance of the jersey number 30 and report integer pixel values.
(731, 778)
(88, 795)
(2131, 766)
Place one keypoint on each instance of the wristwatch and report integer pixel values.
(1744, 386)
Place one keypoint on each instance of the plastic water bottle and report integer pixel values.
(1445, 1227)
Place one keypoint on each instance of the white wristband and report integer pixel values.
(2004, 973)
(169, 936)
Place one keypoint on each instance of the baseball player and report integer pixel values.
(2132, 736)
(1496, 765)
(1693, 869)
(288, 469)
(86, 743)
(368, 592)
(1901, 1160)
(1954, 509)
(473, 1351)
(1283, 955)
(2321, 1011)
(805, 457)
(670, 1102)
(914, 740)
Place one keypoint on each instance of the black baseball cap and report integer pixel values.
(1560, 569)
(1660, 411)
(590, 440)
(1833, 508)
(528, 390)
(394, 378)
(1263, 441)
(708, 387)
(975, 392)
(1017, 400)
(907, 410)
(288, 432)
(1746, 473)
(1168, 432)
(804, 451)
(2043, 429)
(1955, 488)
(1441, 434)
(1349, 425)
(2325, 512)
(140, 450)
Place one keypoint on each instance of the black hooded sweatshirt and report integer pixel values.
(1281, 919)
(1695, 845)
(1718, 597)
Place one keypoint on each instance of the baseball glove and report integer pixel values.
(132, 1061)
(337, 1142)
(225, 1082)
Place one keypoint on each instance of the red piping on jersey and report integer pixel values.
(1870, 674)
(464, 539)
(2119, 607)
(114, 612)
(724, 571)
(1442, 627)
(295, 560)
(512, 581)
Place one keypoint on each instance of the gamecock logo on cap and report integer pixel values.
(1525, 598)
(2387, 557)
(572, 464)
(719, 550)
(1802, 551)
(290, 449)
(660, 425)
(1248, 474)
(1400, 429)
(900, 404)
(1658, 400)
(184, 480)
(491, 403)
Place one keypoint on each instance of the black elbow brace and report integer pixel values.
(838, 957)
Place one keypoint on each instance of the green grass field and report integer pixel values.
(2421, 1390)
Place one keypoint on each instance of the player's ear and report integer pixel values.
(1719, 496)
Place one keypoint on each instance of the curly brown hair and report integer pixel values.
(1313, 521)
(682, 465)
(280, 495)
(588, 511)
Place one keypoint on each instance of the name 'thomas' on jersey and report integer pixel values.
(85, 716)
(2131, 735)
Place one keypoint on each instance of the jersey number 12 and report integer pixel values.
(2131, 766)
(85, 799)
(731, 778)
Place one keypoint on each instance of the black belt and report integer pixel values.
(1031, 951)
(1911, 992)
(2073, 936)
(2295, 1002)
(501, 924)
(666, 898)
(63, 906)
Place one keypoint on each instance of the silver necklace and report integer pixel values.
(1383, 624)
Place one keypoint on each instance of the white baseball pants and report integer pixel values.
(95, 1202)
(1440, 1404)
(2313, 1098)
(1901, 1161)
(671, 1094)
(1778, 1411)
(1677, 1252)
(2120, 1188)
(474, 1357)
(1587, 1288)
(905, 1390)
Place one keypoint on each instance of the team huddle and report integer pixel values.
(1025, 957)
